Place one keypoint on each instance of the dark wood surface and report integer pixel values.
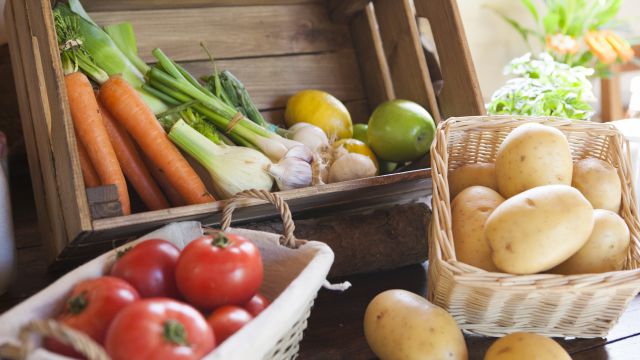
(335, 327)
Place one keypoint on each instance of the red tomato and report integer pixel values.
(91, 307)
(257, 303)
(219, 270)
(226, 320)
(159, 328)
(150, 267)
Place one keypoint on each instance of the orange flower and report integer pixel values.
(600, 47)
(562, 44)
(620, 45)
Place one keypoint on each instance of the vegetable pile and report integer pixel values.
(537, 210)
(146, 122)
(158, 302)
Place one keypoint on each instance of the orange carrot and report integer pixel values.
(134, 169)
(93, 135)
(124, 103)
(172, 195)
(89, 174)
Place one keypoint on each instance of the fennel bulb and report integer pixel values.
(232, 168)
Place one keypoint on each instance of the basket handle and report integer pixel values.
(53, 329)
(288, 239)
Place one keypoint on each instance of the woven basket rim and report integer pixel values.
(463, 273)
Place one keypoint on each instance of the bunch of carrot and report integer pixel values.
(107, 125)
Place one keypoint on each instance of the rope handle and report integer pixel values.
(80, 342)
(288, 239)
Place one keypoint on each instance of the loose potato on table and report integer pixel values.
(538, 229)
(404, 326)
(469, 212)
(470, 175)
(533, 155)
(598, 181)
(605, 250)
(526, 346)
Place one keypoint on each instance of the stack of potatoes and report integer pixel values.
(535, 210)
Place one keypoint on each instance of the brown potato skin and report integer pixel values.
(400, 325)
(598, 181)
(469, 213)
(526, 346)
(533, 155)
(606, 249)
(482, 174)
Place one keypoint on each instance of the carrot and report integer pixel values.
(132, 165)
(172, 195)
(89, 174)
(85, 113)
(132, 112)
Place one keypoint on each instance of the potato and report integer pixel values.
(469, 212)
(538, 229)
(526, 346)
(598, 181)
(605, 250)
(532, 155)
(470, 175)
(402, 325)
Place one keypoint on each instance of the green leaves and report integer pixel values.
(544, 87)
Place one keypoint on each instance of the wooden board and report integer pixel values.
(108, 5)
(376, 76)
(404, 53)
(248, 31)
(457, 67)
(343, 10)
(272, 80)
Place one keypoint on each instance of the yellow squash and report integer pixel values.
(357, 147)
(322, 110)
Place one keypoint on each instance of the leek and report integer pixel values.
(232, 168)
(125, 39)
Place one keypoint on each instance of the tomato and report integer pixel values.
(91, 307)
(257, 303)
(228, 319)
(150, 268)
(159, 328)
(224, 269)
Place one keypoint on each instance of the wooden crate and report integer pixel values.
(363, 52)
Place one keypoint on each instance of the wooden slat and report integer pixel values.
(55, 104)
(407, 63)
(611, 107)
(343, 10)
(38, 122)
(109, 5)
(461, 94)
(271, 81)
(371, 192)
(37, 181)
(358, 110)
(232, 32)
(376, 77)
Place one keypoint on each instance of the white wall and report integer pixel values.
(493, 42)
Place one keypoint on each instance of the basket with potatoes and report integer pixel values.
(535, 226)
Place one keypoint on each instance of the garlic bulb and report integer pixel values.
(300, 152)
(351, 166)
(291, 173)
(310, 135)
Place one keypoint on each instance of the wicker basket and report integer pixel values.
(293, 275)
(496, 304)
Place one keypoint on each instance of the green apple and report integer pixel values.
(400, 131)
(360, 132)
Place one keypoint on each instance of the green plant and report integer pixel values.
(544, 87)
(565, 23)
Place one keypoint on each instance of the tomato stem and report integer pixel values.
(76, 304)
(175, 333)
(121, 253)
(221, 240)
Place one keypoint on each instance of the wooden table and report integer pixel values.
(335, 328)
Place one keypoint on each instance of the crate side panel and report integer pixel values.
(233, 32)
(120, 5)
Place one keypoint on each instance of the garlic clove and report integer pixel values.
(351, 166)
(291, 173)
(300, 152)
